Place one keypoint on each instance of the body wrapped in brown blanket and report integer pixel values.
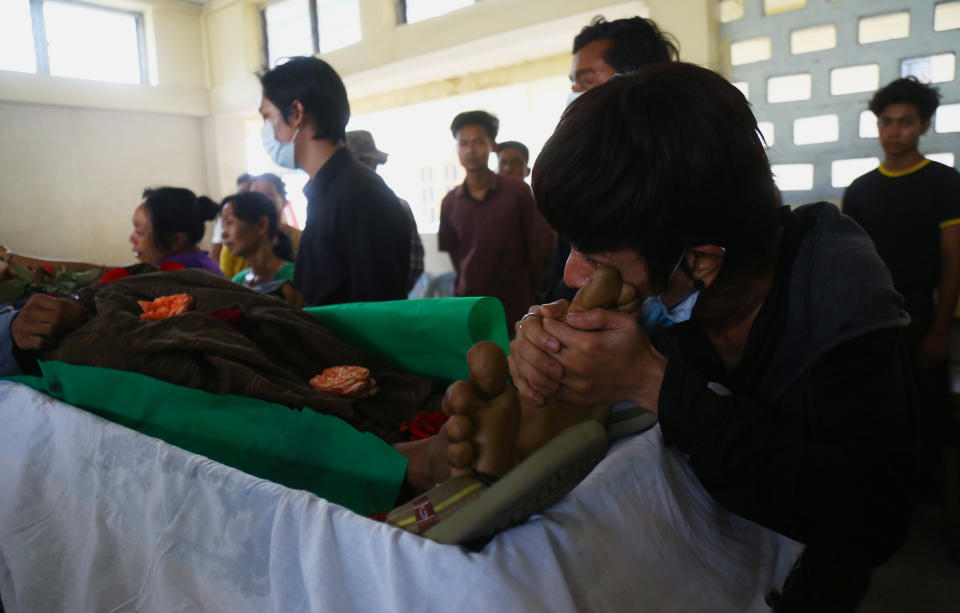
(236, 341)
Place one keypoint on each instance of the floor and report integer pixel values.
(919, 579)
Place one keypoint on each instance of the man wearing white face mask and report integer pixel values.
(355, 245)
(601, 51)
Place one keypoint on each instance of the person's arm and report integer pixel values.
(40, 324)
(934, 346)
(850, 204)
(8, 362)
(416, 247)
(447, 239)
(831, 471)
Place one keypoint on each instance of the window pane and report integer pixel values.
(947, 159)
(730, 10)
(766, 131)
(750, 50)
(418, 10)
(288, 30)
(948, 118)
(938, 68)
(817, 38)
(772, 7)
(843, 172)
(883, 27)
(16, 37)
(92, 43)
(339, 23)
(793, 177)
(744, 87)
(868, 125)
(789, 88)
(854, 79)
(946, 16)
(819, 129)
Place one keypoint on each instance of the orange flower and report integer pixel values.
(346, 381)
(165, 306)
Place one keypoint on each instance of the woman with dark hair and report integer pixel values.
(251, 231)
(770, 339)
(168, 224)
(273, 188)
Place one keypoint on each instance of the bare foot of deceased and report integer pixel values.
(484, 416)
(481, 434)
(539, 424)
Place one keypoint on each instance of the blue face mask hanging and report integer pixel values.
(280, 152)
(655, 314)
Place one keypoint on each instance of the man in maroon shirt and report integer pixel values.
(490, 226)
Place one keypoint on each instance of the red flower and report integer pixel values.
(168, 266)
(112, 275)
(424, 425)
(228, 316)
(47, 269)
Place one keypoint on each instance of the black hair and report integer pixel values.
(250, 207)
(319, 89)
(244, 178)
(476, 118)
(177, 209)
(636, 42)
(661, 160)
(514, 144)
(910, 91)
(277, 182)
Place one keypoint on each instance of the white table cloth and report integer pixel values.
(95, 517)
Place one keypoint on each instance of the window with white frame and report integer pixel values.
(65, 38)
(307, 27)
(412, 11)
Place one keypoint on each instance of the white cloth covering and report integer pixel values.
(95, 517)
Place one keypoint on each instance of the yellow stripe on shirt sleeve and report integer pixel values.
(949, 222)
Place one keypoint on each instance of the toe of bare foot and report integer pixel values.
(488, 368)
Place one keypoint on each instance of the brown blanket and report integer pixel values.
(270, 352)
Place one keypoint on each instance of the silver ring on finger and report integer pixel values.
(524, 318)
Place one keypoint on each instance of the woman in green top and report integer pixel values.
(251, 231)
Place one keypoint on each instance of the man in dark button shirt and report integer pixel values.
(490, 226)
(910, 207)
(356, 242)
(771, 340)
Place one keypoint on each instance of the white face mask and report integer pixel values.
(280, 152)
(573, 96)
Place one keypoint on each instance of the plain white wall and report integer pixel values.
(72, 177)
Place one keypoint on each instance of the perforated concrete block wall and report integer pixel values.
(809, 68)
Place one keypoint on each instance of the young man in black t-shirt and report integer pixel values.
(910, 207)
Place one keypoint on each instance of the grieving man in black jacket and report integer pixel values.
(769, 343)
